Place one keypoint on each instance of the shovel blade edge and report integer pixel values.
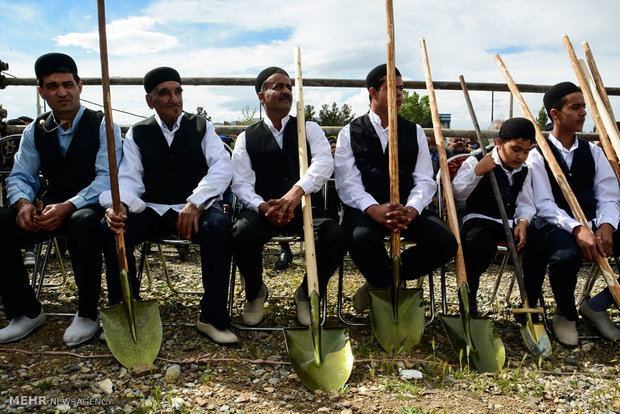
(148, 332)
(336, 357)
(396, 337)
(487, 353)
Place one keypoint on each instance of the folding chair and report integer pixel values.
(168, 240)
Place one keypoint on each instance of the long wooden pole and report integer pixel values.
(608, 138)
(608, 274)
(601, 127)
(599, 82)
(392, 121)
(459, 259)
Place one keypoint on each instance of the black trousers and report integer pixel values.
(213, 237)
(479, 238)
(251, 231)
(83, 243)
(434, 246)
(558, 249)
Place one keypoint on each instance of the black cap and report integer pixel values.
(265, 74)
(557, 92)
(331, 140)
(515, 128)
(375, 75)
(52, 63)
(158, 75)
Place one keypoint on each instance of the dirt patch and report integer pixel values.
(193, 374)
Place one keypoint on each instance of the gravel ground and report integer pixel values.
(193, 374)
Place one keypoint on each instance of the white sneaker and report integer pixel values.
(303, 307)
(29, 258)
(21, 327)
(601, 321)
(254, 310)
(220, 336)
(81, 330)
(565, 331)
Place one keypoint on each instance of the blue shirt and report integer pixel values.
(24, 179)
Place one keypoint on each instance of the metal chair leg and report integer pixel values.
(339, 301)
(498, 280)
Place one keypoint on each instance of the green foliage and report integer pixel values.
(542, 118)
(416, 109)
(309, 112)
(203, 112)
(335, 116)
(247, 116)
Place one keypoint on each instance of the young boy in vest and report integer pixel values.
(363, 181)
(482, 224)
(563, 239)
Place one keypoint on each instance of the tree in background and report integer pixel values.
(542, 118)
(415, 109)
(334, 116)
(202, 112)
(248, 117)
(309, 112)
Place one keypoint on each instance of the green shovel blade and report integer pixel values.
(396, 337)
(336, 357)
(148, 332)
(536, 339)
(486, 353)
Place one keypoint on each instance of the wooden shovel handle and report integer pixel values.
(498, 199)
(459, 260)
(109, 129)
(392, 121)
(597, 115)
(608, 274)
(306, 206)
(615, 137)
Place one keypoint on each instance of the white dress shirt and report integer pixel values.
(318, 172)
(466, 181)
(209, 189)
(348, 177)
(606, 191)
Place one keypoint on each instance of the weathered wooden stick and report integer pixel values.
(607, 139)
(459, 259)
(606, 271)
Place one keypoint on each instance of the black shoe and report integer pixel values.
(285, 257)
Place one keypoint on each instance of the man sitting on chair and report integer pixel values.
(67, 145)
(266, 180)
(363, 182)
(172, 176)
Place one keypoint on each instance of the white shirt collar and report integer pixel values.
(560, 146)
(164, 127)
(284, 121)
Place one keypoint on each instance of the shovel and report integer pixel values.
(396, 314)
(559, 176)
(474, 339)
(534, 335)
(321, 357)
(132, 327)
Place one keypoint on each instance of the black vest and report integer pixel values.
(580, 178)
(69, 174)
(482, 199)
(373, 163)
(276, 169)
(171, 173)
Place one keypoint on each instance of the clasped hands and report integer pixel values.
(51, 218)
(280, 212)
(394, 216)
